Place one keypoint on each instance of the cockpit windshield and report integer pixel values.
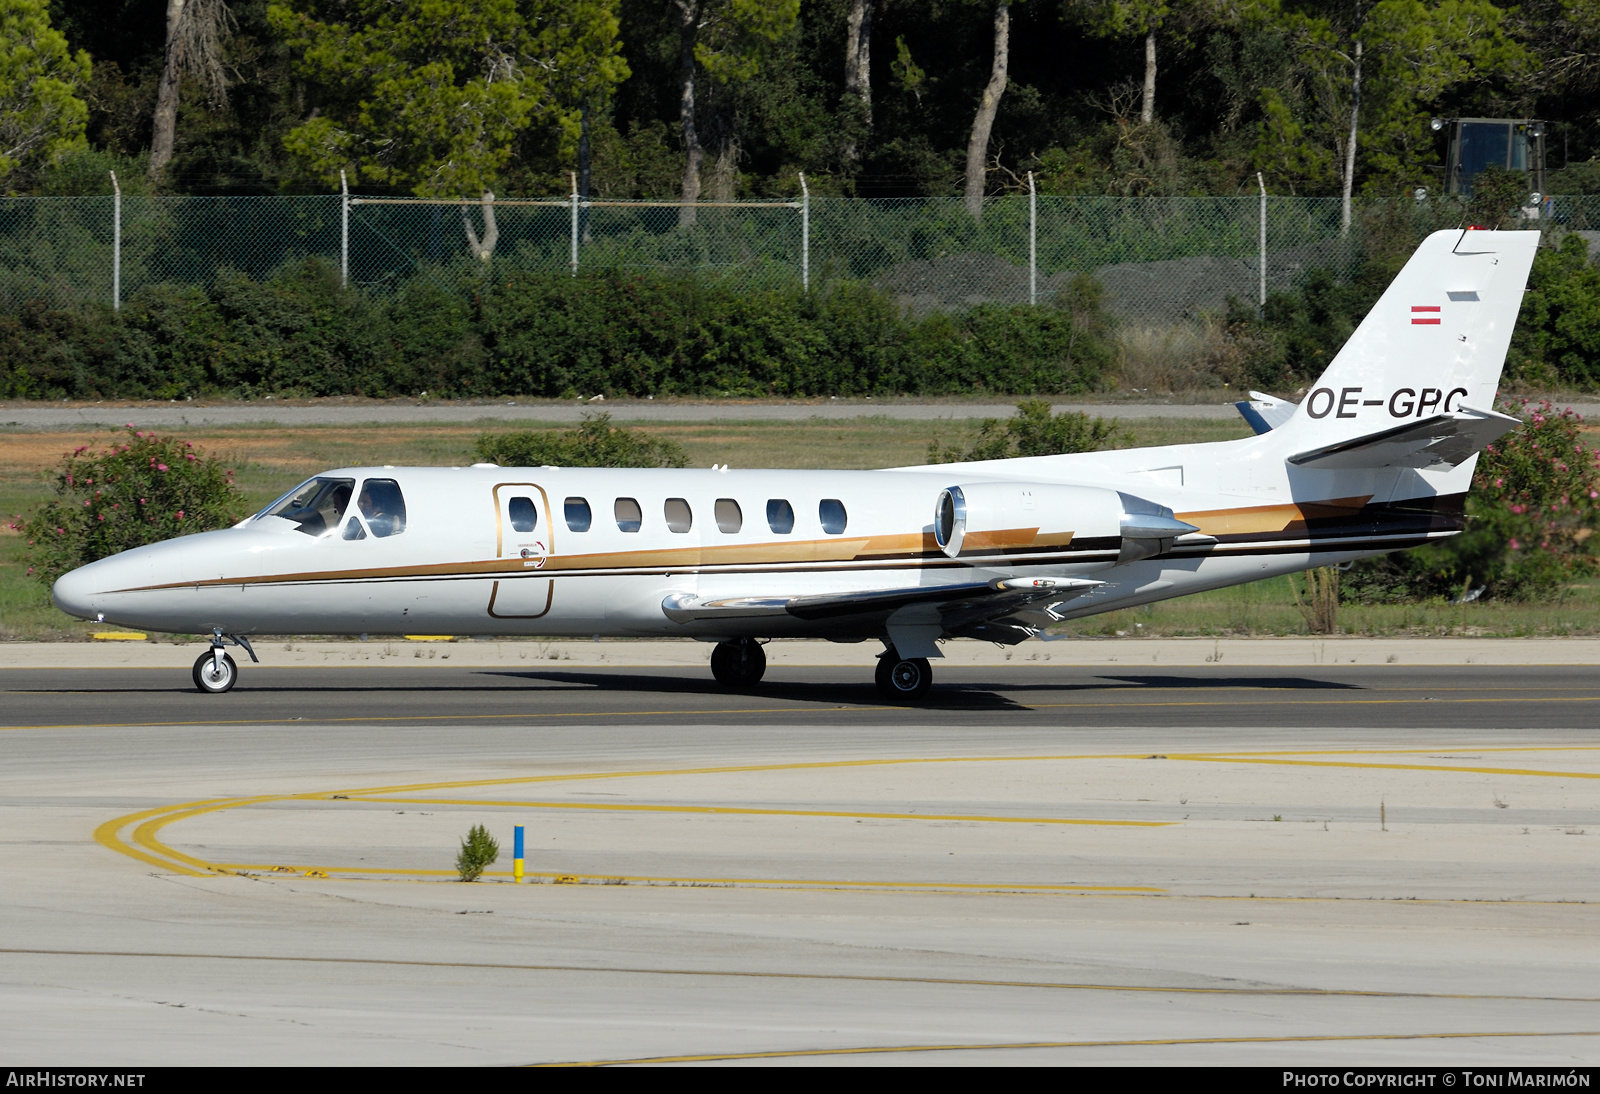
(317, 506)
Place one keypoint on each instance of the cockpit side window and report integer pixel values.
(383, 506)
(318, 506)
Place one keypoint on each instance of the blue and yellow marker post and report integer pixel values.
(516, 856)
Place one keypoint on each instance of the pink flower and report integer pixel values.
(1499, 482)
(1515, 546)
(180, 514)
(161, 467)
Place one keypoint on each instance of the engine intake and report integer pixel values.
(993, 517)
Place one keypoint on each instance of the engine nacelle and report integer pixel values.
(994, 517)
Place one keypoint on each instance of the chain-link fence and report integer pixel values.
(1157, 259)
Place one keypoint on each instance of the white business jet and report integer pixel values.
(1377, 457)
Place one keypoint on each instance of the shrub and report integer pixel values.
(1531, 515)
(143, 490)
(478, 852)
(1557, 337)
(299, 332)
(595, 443)
(1033, 432)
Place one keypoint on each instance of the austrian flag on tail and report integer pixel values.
(1430, 319)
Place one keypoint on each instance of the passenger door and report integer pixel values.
(525, 535)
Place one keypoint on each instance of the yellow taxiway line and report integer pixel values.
(1148, 1042)
(145, 846)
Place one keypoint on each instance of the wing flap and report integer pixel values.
(956, 605)
(1444, 440)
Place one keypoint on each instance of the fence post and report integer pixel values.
(1033, 242)
(116, 244)
(1263, 184)
(805, 234)
(344, 230)
(574, 224)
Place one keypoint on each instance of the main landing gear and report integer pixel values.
(902, 677)
(215, 671)
(738, 664)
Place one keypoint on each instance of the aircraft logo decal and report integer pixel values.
(1429, 319)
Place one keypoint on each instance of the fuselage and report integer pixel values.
(583, 551)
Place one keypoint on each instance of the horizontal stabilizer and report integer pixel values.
(1265, 412)
(1444, 440)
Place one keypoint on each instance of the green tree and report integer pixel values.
(728, 39)
(41, 114)
(431, 95)
(1367, 79)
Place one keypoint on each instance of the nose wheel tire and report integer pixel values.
(215, 675)
(738, 664)
(903, 677)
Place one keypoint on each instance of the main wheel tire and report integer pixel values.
(211, 681)
(903, 677)
(738, 664)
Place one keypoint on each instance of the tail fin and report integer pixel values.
(1434, 343)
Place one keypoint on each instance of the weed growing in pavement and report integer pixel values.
(478, 852)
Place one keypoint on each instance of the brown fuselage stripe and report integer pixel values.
(1347, 524)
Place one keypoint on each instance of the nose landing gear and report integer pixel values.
(738, 664)
(215, 671)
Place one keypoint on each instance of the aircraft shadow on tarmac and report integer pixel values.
(1201, 683)
(966, 697)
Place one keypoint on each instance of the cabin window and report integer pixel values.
(831, 512)
(780, 516)
(679, 517)
(629, 515)
(729, 516)
(317, 506)
(578, 515)
(383, 507)
(524, 516)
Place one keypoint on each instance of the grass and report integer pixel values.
(270, 459)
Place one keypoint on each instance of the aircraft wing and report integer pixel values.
(1444, 440)
(957, 608)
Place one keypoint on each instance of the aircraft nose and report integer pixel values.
(90, 590)
(74, 591)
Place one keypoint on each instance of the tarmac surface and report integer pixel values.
(1317, 864)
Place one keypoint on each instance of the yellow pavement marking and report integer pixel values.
(146, 847)
(732, 882)
(1223, 758)
(748, 974)
(1151, 1042)
(624, 807)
